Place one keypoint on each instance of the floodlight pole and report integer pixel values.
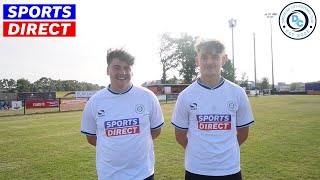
(254, 53)
(232, 24)
(270, 16)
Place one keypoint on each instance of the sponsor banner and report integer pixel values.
(254, 92)
(16, 105)
(42, 20)
(122, 127)
(214, 121)
(2, 105)
(84, 94)
(69, 104)
(167, 90)
(42, 104)
(161, 97)
(172, 96)
(43, 28)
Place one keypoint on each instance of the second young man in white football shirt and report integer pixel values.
(211, 119)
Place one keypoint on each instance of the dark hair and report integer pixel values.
(208, 45)
(121, 54)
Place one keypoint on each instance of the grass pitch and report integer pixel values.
(283, 144)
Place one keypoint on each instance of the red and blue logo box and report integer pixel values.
(42, 20)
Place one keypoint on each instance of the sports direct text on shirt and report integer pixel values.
(55, 20)
(214, 121)
(122, 127)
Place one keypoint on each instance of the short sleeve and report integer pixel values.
(180, 116)
(156, 116)
(88, 123)
(244, 113)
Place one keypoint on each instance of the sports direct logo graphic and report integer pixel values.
(297, 20)
(122, 127)
(214, 122)
(30, 20)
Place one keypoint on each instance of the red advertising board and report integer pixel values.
(42, 104)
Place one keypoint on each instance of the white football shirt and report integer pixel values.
(211, 116)
(123, 124)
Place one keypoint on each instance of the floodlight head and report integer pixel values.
(270, 15)
(232, 23)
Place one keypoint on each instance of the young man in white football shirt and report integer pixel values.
(212, 118)
(121, 121)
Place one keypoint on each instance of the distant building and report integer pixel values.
(282, 86)
(166, 88)
(297, 86)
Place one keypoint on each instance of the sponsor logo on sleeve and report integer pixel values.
(101, 113)
(193, 106)
(214, 121)
(122, 127)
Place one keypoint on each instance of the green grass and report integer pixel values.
(283, 144)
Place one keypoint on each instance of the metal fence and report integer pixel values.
(23, 107)
(37, 106)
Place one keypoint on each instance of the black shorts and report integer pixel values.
(192, 176)
(150, 177)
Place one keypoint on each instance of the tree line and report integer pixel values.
(45, 84)
(178, 55)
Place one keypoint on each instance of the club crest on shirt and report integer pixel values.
(139, 108)
(231, 105)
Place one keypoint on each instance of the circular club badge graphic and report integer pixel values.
(139, 108)
(297, 20)
(231, 105)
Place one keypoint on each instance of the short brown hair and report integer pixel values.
(121, 54)
(208, 45)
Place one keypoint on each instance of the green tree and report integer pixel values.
(58, 84)
(44, 84)
(70, 85)
(167, 56)
(227, 70)
(186, 56)
(173, 80)
(8, 85)
(264, 83)
(244, 80)
(3, 83)
(23, 85)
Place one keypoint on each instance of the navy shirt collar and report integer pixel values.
(211, 88)
(113, 92)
